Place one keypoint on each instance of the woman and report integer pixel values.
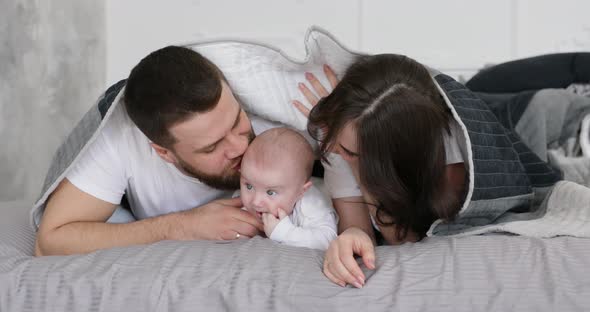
(389, 123)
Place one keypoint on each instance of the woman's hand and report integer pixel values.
(317, 87)
(339, 263)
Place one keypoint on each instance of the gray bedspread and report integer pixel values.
(474, 273)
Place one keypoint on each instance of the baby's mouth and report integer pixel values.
(259, 214)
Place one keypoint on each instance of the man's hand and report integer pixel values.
(218, 220)
(270, 222)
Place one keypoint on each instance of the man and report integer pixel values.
(174, 149)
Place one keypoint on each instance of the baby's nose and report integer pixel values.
(257, 201)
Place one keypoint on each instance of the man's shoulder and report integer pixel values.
(118, 127)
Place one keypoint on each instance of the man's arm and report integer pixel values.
(74, 222)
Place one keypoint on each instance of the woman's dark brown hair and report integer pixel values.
(399, 117)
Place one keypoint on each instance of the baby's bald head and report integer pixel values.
(275, 172)
(281, 149)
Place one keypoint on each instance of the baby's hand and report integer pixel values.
(270, 222)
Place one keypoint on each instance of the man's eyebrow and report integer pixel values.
(215, 143)
(237, 121)
(348, 151)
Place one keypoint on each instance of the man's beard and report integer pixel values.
(229, 178)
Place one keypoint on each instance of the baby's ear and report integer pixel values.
(306, 186)
(304, 189)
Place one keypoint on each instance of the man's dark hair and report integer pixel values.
(167, 87)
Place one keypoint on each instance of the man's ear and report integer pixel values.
(164, 153)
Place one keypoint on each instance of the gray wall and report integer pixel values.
(52, 68)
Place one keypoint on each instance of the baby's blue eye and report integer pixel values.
(271, 193)
(249, 186)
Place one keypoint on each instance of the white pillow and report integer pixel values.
(265, 79)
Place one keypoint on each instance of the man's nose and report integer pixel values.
(237, 145)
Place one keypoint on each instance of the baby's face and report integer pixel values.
(274, 186)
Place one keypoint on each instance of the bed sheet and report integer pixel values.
(474, 273)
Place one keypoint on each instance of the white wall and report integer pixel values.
(456, 36)
(52, 68)
(53, 55)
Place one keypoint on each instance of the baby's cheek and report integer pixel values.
(274, 210)
(282, 207)
(251, 210)
(246, 205)
(283, 203)
(279, 205)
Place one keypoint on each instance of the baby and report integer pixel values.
(275, 186)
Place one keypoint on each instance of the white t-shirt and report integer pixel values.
(121, 161)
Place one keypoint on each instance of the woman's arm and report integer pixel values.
(340, 265)
(353, 212)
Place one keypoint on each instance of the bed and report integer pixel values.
(467, 272)
(473, 273)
